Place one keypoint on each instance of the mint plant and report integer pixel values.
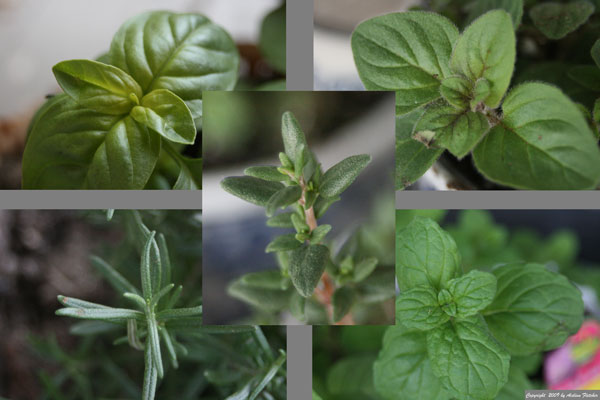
(321, 280)
(155, 326)
(452, 92)
(123, 120)
(463, 335)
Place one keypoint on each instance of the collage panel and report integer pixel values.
(491, 95)
(298, 203)
(109, 95)
(108, 304)
(491, 303)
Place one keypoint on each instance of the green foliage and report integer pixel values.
(461, 330)
(272, 39)
(315, 280)
(119, 117)
(455, 88)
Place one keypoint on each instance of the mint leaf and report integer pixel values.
(557, 20)
(513, 7)
(403, 367)
(486, 49)
(413, 158)
(445, 126)
(307, 264)
(456, 90)
(268, 173)
(352, 377)
(543, 142)
(343, 300)
(406, 52)
(516, 385)
(97, 86)
(283, 198)
(341, 175)
(468, 361)
(472, 292)
(425, 255)
(418, 308)
(253, 190)
(534, 309)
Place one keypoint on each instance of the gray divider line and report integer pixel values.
(299, 362)
(100, 199)
(299, 48)
(497, 200)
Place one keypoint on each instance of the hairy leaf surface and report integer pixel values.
(307, 264)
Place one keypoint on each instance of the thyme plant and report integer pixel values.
(454, 93)
(336, 282)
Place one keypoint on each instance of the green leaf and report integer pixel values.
(283, 243)
(481, 91)
(283, 198)
(322, 204)
(299, 223)
(166, 114)
(272, 39)
(92, 328)
(179, 313)
(418, 308)
(170, 348)
(190, 174)
(403, 370)
(307, 264)
(516, 385)
(117, 281)
(70, 147)
(343, 300)
(297, 306)
(341, 175)
(268, 376)
(406, 52)
(596, 116)
(293, 137)
(352, 377)
(534, 309)
(268, 279)
(472, 292)
(283, 220)
(543, 142)
(445, 126)
(77, 303)
(364, 268)
(587, 76)
(267, 299)
(425, 255)
(486, 49)
(268, 173)
(150, 375)
(146, 268)
(319, 233)
(468, 361)
(253, 190)
(153, 341)
(456, 90)
(596, 52)
(413, 158)
(101, 314)
(513, 7)
(97, 86)
(557, 20)
(183, 53)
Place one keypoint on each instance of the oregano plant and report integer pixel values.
(124, 120)
(311, 274)
(453, 93)
(464, 335)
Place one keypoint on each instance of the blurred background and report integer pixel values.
(564, 241)
(243, 129)
(35, 35)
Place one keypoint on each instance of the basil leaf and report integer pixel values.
(468, 361)
(596, 52)
(294, 140)
(341, 175)
(418, 308)
(557, 20)
(307, 264)
(543, 142)
(184, 53)
(472, 292)
(403, 370)
(283, 243)
(486, 49)
(534, 309)
(166, 114)
(268, 173)
(425, 255)
(190, 174)
(407, 52)
(413, 158)
(271, 300)
(97, 86)
(456, 90)
(272, 39)
(253, 190)
(513, 7)
(445, 126)
(283, 198)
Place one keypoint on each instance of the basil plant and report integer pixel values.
(453, 93)
(123, 121)
(468, 335)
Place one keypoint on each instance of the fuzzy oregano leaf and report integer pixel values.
(456, 90)
(307, 264)
(543, 134)
(472, 292)
(406, 52)
(426, 255)
(534, 309)
(418, 308)
(341, 175)
(486, 49)
(557, 20)
(97, 86)
(467, 359)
